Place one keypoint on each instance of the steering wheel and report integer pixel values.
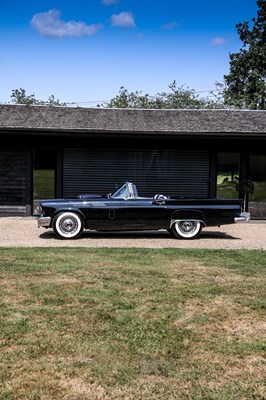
(159, 197)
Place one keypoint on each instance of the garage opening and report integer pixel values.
(172, 172)
(43, 176)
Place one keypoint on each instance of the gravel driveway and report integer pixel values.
(23, 232)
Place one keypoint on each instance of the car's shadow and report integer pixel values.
(210, 235)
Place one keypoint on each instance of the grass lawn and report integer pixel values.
(132, 324)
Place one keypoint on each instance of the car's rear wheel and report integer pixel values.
(187, 229)
(68, 225)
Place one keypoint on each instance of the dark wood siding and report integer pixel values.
(172, 172)
(13, 181)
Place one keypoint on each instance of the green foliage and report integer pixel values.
(19, 96)
(246, 187)
(246, 81)
(177, 98)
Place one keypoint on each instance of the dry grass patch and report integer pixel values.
(117, 324)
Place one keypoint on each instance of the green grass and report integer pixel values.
(132, 324)
(259, 191)
(229, 190)
(43, 182)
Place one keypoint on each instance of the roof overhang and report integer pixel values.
(98, 121)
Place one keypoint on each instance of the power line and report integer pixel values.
(99, 102)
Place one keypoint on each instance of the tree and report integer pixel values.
(245, 85)
(245, 187)
(19, 96)
(178, 97)
(126, 99)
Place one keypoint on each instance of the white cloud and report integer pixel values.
(110, 2)
(125, 19)
(218, 41)
(50, 24)
(170, 26)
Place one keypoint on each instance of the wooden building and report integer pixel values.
(61, 152)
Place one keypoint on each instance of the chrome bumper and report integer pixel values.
(44, 222)
(243, 217)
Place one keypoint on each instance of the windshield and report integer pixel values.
(126, 191)
(122, 191)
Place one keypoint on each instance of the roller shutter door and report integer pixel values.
(172, 172)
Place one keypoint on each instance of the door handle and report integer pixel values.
(111, 214)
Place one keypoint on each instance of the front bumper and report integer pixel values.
(44, 222)
(243, 217)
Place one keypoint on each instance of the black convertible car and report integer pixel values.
(125, 210)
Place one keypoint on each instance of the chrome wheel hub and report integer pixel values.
(187, 226)
(68, 225)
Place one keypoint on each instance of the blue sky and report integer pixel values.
(83, 51)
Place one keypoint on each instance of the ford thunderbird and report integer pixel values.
(125, 210)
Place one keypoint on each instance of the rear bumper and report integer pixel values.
(243, 217)
(44, 222)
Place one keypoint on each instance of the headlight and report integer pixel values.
(38, 209)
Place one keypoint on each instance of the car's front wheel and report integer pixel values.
(68, 225)
(186, 229)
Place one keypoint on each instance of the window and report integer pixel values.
(227, 175)
(257, 199)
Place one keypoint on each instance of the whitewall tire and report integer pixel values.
(68, 225)
(187, 229)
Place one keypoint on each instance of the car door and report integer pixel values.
(102, 214)
(143, 214)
